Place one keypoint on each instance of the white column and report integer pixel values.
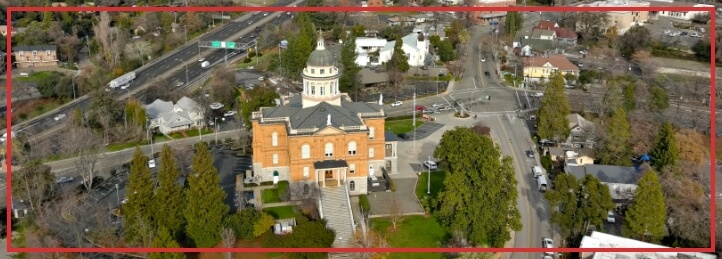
(338, 176)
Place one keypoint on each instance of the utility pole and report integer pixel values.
(413, 111)
(428, 188)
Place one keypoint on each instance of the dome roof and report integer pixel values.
(320, 57)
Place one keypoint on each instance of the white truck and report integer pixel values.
(122, 80)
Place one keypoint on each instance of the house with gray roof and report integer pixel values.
(622, 180)
(167, 117)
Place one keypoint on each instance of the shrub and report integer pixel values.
(363, 202)
(247, 60)
(252, 54)
(546, 162)
(23, 116)
(260, 54)
(392, 186)
(229, 140)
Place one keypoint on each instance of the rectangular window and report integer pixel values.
(21, 53)
(47, 53)
(352, 168)
(313, 71)
(371, 152)
(322, 70)
(305, 172)
(275, 159)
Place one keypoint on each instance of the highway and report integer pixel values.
(173, 61)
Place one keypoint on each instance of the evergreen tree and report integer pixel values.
(596, 202)
(139, 209)
(164, 239)
(205, 207)
(399, 61)
(479, 200)
(616, 144)
(564, 196)
(300, 47)
(665, 151)
(348, 80)
(169, 195)
(514, 23)
(630, 101)
(553, 123)
(645, 219)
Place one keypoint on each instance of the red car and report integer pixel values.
(420, 108)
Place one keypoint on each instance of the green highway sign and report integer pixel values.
(215, 44)
(230, 45)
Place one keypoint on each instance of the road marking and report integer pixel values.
(516, 160)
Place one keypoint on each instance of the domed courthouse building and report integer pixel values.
(323, 138)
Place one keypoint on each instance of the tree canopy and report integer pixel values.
(139, 209)
(168, 197)
(665, 151)
(479, 200)
(205, 208)
(615, 148)
(349, 74)
(553, 123)
(646, 217)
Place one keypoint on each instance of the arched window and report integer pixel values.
(371, 132)
(274, 139)
(352, 185)
(329, 150)
(305, 151)
(352, 148)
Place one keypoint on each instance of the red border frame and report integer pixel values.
(712, 32)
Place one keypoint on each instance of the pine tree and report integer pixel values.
(139, 209)
(596, 202)
(348, 81)
(399, 61)
(164, 239)
(665, 151)
(645, 219)
(553, 123)
(299, 46)
(205, 207)
(615, 149)
(169, 195)
(630, 101)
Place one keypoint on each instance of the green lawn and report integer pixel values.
(437, 183)
(35, 77)
(270, 196)
(402, 126)
(194, 133)
(411, 232)
(121, 146)
(282, 212)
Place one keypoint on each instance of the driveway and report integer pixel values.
(405, 195)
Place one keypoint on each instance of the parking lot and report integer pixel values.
(664, 31)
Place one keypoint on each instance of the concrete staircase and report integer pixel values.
(335, 207)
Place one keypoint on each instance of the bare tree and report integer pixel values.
(34, 183)
(184, 158)
(395, 213)
(67, 219)
(592, 24)
(307, 194)
(366, 237)
(86, 146)
(109, 40)
(229, 240)
(398, 80)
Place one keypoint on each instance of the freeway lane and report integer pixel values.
(187, 54)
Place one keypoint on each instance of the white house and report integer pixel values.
(168, 117)
(604, 240)
(372, 53)
(680, 15)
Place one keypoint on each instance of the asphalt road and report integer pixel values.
(186, 56)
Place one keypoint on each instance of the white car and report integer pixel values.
(548, 243)
(436, 105)
(610, 217)
(483, 60)
(216, 106)
(201, 59)
(261, 78)
(151, 163)
(125, 200)
(667, 32)
(397, 104)
(229, 113)
(125, 86)
(179, 84)
(265, 14)
(59, 117)
(64, 179)
(431, 165)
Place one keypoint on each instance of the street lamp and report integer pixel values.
(117, 195)
(428, 188)
(73, 80)
(186, 67)
(216, 124)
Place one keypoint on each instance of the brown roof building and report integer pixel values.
(542, 67)
(563, 35)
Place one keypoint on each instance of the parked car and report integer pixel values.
(216, 106)
(428, 111)
(419, 108)
(201, 59)
(530, 153)
(229, 113)
(64, 179)
(403, 136)
(483, 59)
(437, 105)
(431, 165)
(265, 14)
(548, 243)
(684, 33)
(179, 84)
(59, 117)
(397, 104)
(486, 73)
(610, 217)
